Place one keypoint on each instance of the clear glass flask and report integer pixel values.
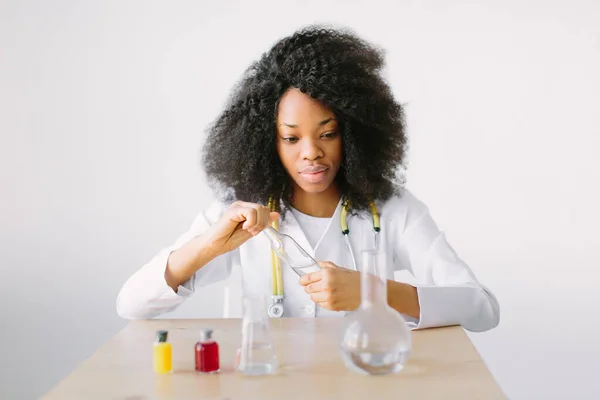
(257, 355)
(376, 340)
(290, 252)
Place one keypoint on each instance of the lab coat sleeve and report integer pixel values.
(146, 293)
(448, 291)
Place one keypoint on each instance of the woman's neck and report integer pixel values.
(320, 205)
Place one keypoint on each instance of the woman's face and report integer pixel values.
(308, 141)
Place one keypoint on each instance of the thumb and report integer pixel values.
(274, 216)
(327, 264)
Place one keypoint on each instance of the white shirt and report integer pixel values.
(313, 227)
(448, 291)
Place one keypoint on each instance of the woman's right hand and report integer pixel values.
(239, 223)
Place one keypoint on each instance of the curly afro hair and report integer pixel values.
(340, 70)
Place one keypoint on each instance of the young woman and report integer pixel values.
(313, 142)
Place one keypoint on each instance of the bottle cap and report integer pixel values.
(161, 336)
(206, 334)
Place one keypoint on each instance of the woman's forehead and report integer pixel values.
(297, 108)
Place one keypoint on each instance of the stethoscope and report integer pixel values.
(275, 310)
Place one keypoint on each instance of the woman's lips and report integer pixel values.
(313, 174)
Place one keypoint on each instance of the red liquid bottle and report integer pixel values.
(207, 353)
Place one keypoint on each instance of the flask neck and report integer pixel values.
(373, 284)
(373, 291)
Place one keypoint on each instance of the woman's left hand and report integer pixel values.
(334, 288)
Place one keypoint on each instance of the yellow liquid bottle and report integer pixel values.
(163, 354)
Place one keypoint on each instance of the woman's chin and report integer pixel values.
(314, 188)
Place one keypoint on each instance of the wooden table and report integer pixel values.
(444, 365)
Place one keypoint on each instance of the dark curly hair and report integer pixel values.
(340, 70)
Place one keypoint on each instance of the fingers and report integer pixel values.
(333, 288)
(311, 277)
(251, 218)
(274, 216)
(317, 275)
(318, 286)
(327, 264)
(322, 274)
(254, 217)
(320, 298)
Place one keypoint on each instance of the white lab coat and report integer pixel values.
(415, 250)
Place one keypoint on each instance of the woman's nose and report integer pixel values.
(311, 150)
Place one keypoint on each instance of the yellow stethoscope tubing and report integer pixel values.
(277, 281)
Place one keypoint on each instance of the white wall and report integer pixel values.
(102, 112)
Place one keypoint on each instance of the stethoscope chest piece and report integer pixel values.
(275, 310)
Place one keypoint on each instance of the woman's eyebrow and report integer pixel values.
(325, 121)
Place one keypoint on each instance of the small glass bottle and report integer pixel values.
(163, 354)
(207, 353)
(377, 340)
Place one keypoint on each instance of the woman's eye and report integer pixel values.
(329, 135)
(290, 139)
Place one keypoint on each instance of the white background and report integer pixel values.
(103, 107)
